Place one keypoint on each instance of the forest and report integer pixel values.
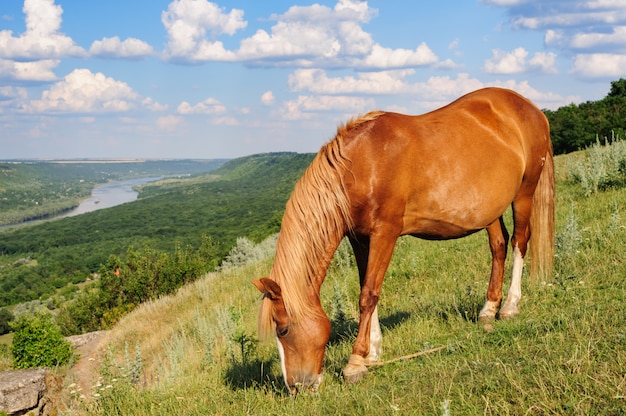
(577, 126)
(245, 197)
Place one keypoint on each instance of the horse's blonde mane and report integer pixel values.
(317, 214)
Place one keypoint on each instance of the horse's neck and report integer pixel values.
(303, 261)
(300, 268)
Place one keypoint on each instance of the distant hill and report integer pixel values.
(245, 197)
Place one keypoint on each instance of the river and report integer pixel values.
(106, 195)
(109, 195)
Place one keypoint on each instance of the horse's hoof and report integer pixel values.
(353, 373)
(486, 322)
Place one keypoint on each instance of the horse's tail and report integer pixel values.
(542, 223)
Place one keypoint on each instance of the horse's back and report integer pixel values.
(448, 172)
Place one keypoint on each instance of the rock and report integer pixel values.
(22, 391)
(79, 340)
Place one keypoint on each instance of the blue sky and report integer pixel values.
(202, 79)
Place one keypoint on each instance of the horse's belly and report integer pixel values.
(438, 230)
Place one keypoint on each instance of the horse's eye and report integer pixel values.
(282, 332)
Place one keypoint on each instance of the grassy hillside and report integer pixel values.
(244, 198)
(195, 353)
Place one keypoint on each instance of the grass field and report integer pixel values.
(195, 353)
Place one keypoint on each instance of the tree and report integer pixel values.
(5, 320)
(37, 342)
(618, 88)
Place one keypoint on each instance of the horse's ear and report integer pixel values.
(269, 288)
(273, 293)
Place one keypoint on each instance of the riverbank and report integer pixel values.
(103, 196)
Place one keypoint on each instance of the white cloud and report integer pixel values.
(29, 71)
(82, 91)
(115, 48)
(303, 36)
(208, 106)
(503, 62)
(572, 26)
(42, 38)
(599, 65)
(152, 105)
(597, 40)
(381, 57)
(318, 82)
(544, 62)
(193, 25)
(304, 107)
(268, 98)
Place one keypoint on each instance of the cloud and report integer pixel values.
(304, 107)
(268, 98)
(152, 105)
(193, 25)
(82, 91)
(599, 65)
(115, 48)
(594, 41)
(39, 71)
(303, 36)
(208, 106)
(42, 38)
(514, 62)
(503, 62)
(433, 93)
(574, 26)
(317, 81)
(544, 62)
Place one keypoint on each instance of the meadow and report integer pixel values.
(196, 352)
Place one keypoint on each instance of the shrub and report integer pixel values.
(5, 320)
(37, 342)
(603, 167)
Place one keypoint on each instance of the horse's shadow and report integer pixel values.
(258, 374)
(346, 329)
(253, 374)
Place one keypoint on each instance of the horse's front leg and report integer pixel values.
(361, 248)
(380, 251)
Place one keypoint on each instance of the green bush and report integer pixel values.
(603, 167)
(5, 320)
(37, 342)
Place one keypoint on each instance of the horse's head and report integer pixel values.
(301, 344)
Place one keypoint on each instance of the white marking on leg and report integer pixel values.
(515, 291)
(281, 353)
(376, 338)
(489, 311)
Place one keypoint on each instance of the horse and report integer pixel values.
(441, 175)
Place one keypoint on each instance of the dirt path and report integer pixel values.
(85, 371)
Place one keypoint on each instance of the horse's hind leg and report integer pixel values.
(360, 246)
(498, 242)
(519, 242)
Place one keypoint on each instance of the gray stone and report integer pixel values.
(22, 390)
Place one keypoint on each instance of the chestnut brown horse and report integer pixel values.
(442, 175)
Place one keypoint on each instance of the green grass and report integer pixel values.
(564, 355)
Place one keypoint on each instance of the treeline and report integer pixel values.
(575, 127)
